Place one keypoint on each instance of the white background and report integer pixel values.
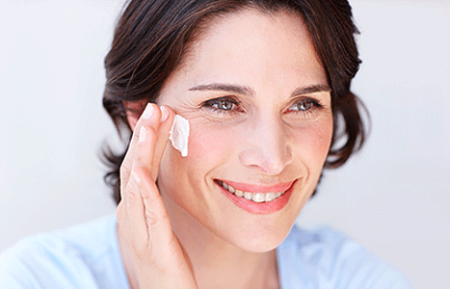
(393, 197)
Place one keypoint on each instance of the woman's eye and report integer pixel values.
(305, 105)
(222, 104)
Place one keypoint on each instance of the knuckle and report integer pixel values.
(152, 218)
(152, 131)
(140, 246)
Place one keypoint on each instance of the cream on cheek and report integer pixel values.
(210, 146)
(179, 134)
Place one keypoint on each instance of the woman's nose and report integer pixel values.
(266, 147)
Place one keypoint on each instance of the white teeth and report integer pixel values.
(259, 197)
(270, 197)
(255, 197)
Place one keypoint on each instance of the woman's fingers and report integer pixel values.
(142, 201)
(148, 154)
(167, 117)
(157, 220)
(148, 221)
(151, 118)
(162, 261)
(133, 211)
(154, 251)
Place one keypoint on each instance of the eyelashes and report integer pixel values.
(231, 105)
(305, 105)
(226, 104)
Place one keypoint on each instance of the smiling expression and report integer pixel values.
(259, 108)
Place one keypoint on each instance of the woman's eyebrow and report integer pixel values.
(245, 90)
(238, 89)
(311, 89)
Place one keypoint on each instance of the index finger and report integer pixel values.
(151, 118)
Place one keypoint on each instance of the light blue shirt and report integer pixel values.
(88, 257)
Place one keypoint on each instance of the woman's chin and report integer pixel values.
(261, 247)
(261, 242)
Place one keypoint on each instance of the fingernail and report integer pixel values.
(143, 134)
(164, 113)
(148, 112)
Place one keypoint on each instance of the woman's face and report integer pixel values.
(259, 108)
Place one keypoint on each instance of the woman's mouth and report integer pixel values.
(257, 199)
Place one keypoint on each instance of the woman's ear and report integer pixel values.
(134, 110)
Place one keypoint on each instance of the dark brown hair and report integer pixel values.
(153, 36)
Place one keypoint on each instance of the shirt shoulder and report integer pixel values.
(83, 256)
(326, 258)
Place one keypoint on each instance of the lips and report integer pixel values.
(257, 199)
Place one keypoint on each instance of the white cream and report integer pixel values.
(179, 134)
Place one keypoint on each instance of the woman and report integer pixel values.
(265, 88)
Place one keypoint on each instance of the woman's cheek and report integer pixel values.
(313, 142)
(210, 143)
(323, 134)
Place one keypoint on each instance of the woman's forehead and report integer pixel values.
(258, 52)
(250, 44)
(246, 27)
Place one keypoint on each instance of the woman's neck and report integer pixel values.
(217, 263)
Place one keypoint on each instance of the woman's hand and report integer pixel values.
(153, 256)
